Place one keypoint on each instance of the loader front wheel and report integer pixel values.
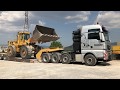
(11, 52)
(25, 52)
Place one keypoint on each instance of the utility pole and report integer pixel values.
(26, 24)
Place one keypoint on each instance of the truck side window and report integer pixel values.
(94, 34)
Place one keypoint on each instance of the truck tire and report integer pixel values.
(46, 57)
(11, 51)
(90, 60)
(55, 57)
(25, 52)
(66, 58)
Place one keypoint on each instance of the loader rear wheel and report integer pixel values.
(11, 52)
(46, 57)
(55, 58)
(25, 52)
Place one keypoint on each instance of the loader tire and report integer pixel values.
(25, 52)
(55, 58)
(11, 51)
(46, 57)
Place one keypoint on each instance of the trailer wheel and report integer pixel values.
(55, 58)
(90, 60)
(66, 58)
(25, 52)
(11, 51)
(46, 57)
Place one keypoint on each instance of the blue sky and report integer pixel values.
(64, 22)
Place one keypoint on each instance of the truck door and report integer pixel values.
(94, 39)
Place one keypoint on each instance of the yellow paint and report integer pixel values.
(116, 49)
(46, 50)
(20, 40)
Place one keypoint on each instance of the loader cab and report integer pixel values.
(26, 36)
(23, 36)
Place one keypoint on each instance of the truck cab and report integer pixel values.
(91, 44)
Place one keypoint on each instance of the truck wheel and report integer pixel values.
(11, 51)
(55, 58)
(46, 57)
(25, 52)
(66, 58)
(90, 60)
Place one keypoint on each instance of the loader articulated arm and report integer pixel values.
(43, 34)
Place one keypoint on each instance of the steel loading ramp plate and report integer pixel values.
(44, 34)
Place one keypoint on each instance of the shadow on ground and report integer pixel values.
(98, 63)
(103, 64)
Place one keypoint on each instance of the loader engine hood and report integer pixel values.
(43, 34)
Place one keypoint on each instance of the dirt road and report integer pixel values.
(23, 70)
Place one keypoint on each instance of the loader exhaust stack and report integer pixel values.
(44, 34)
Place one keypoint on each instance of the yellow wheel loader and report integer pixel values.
(25, 46)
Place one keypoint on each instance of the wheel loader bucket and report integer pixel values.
(44, 34)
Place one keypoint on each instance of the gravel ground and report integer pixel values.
(24, 70)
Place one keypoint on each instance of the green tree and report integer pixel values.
(56, 44)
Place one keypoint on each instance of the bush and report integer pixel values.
(56, 44)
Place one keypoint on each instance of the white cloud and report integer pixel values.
(13, 21)
(79, 17)
(11, 15)
(41, 23)
(8, 19)
(79, 26)
(111, 19)
(8, 27)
